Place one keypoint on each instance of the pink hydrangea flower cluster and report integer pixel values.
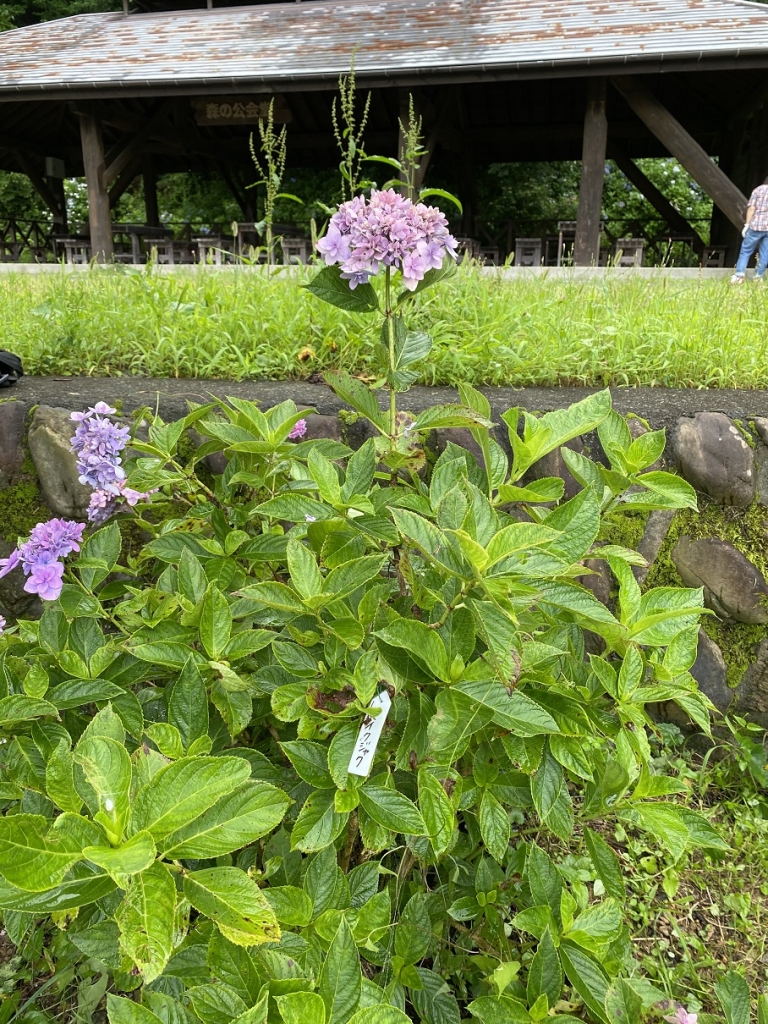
(40, 556)
(386, 230)
(98, 442)
(298, 430)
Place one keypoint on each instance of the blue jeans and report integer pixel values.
(753, 240)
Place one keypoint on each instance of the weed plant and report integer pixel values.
(240, 324)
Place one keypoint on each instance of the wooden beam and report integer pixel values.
(586, 248)
(124, 182)
(98, 197)
(684, 148)
(43, 189)
(117, 162)
(657, 199)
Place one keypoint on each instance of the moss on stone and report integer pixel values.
(746, 529)
(623, 528)
(22, 505)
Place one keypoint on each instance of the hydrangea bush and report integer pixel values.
(308, 742)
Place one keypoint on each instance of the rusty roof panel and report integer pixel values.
(303, 42)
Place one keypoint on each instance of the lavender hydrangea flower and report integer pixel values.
(299, 430)
(386, 230)
(3, 624)
(45, 580)
(9, 564)
(39, 556)
(97, 442)
(105, 502)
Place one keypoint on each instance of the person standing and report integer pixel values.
(755, 235)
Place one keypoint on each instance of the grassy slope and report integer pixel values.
(236, 325)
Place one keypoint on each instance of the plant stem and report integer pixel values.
(391, 335)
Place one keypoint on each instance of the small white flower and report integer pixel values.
(109, 805)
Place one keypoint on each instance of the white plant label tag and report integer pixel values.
(369, 736)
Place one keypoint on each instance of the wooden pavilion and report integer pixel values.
(175, 85)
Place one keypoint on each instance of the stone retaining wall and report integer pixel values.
(717, 440)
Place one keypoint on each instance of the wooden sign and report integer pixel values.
(239, 109)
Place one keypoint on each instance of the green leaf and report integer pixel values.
(83, 886)
(361, 398)
(215, 622)
(587, 977)
(146, 920)
(318, 823)
(305, 575)
(216, 1004)
(32, 857)
(437, 811)
(512, 711)
(440, 416)
(339, 983)
(235, 903)
(301, 1008)
(125, 1011)
(494, 826)
(434, 1001)
(733, 993)
(182, 791)
(60, 779)
(501, 1010)
(379, 1015)
(292, 906)
(422, 642)
(545, 976)
(392, 810)
(622, 1003)
(125, 860)
(19, 708)
(235, 707)
(235, 820)
(413, 933)
(100, 551)
(606, 864)
(107, 768)
(329, 286)
(310, 761)
(234, 966)
(544, 880)
(188, 705)
(191, 577)
(75, 692)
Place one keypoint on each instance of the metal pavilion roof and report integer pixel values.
(296, 45)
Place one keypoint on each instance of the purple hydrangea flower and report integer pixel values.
(45, 580)
(9, 563)
(97, 442)
(39, 556)
(3, 624)
(386, 230)
(299, 430)
(105, 502)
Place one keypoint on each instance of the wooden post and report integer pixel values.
(98, 197)
(684, 148)
(151, 211)
(586, 249)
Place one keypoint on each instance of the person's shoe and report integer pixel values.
(737, 279)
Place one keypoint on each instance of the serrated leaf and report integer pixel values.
(392, 810)
(339, 983)
(130, 858)
(606, 864)
(234, 821)
(125, 1011)
(182, 791)
(437, 811)
(329, 286)
(494, 826)
(146, 919)
(545, 976)
(32, 857)
(235, 903)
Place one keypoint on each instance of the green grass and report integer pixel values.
(231, 324)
